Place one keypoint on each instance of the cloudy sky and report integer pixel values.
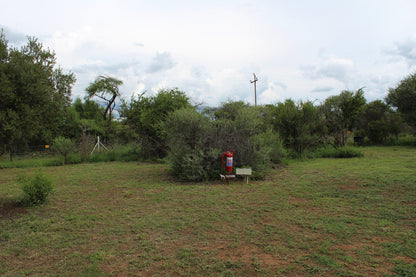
(300, 49)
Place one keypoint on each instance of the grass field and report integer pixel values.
(342, 217)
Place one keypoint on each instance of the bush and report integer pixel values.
(35, 190)
(63, 146)
(406, 140)
(342, 152)
(270, 146)
(189, 135)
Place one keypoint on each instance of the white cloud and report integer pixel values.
(162, 61)
(272, 94)
(333, 67)
(406, 49)
(13, 36)
(210, 49)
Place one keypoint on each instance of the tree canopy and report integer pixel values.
(145, 115)
(35, 95)
(403, 97)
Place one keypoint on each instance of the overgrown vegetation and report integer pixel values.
(342, 152)
(63, 146)
(36, 110)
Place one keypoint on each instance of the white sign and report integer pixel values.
(243, 171)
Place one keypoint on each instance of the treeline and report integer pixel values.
(36, 108)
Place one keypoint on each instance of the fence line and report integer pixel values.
(33, 150)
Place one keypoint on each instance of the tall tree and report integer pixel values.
(379, 121)
(342, 113)
(403, 97)
(145, 115)
(298, 124)
(35, 96)
(105, 88)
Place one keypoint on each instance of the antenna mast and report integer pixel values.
(255, 93)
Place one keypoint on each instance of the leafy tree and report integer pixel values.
(35, 97)
(342, 113)
(230, 110)
(298, 124)
(88, 109)
(379, 121)
(403, 97)
(90, 117)
(63, 146)
(105, 88)
(146, 114)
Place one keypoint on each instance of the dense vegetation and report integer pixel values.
(36, 110)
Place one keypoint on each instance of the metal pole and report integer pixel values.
(255, 92)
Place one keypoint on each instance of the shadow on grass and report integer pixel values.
(11, 208)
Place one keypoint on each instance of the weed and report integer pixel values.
(342, 152)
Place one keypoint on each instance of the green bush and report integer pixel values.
(190, 155)
(270, 145)
(406, 140)
(36, 189)
(63, 146)
(341, 152)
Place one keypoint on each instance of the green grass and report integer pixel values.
(342, 217)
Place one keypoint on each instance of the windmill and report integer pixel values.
(255, 94)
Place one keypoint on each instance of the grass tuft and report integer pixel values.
(342, 152)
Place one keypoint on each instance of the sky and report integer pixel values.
(301, 49)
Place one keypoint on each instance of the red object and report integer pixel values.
(228, 161)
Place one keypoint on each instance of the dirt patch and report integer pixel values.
(351, 186)
(11, 209)
(405, 259)
(295, 201)
(352, 246)
(247, 254)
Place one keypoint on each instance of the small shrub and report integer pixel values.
(63, 146)
(342, 152)
(36, 189)
(406, 140)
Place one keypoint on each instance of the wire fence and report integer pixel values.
(27, 152)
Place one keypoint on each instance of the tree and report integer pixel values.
(105, 88)
(63, 146)
(146, 114)
(197, 141)
(342, 113)
(298, 124)
(379, 121)
(90, 116)
(190, 153)
(35, 97)
(403, 97)
(236, 123)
